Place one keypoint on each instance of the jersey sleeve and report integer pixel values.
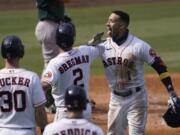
(47, 130)
(51, 74)
(145, 52)
(38, 93)
(101, 48)
(100, 132)
(93, 51)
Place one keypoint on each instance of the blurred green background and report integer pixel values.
(156, 23)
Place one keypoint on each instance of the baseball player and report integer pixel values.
(70, 67)
(21, 96)
(50, 14)
(75, 101)
(123, 60)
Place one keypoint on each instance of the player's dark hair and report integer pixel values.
(123, 16)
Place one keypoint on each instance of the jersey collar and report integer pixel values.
(121, 40)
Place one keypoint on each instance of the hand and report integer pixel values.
(96, 39)
(174, 102)
(93, 103)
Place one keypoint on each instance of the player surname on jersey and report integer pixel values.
(72, 62)
(77, 131)
(15, 81)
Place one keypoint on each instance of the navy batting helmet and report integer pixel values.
(75, 98)
(65, 35)
(12, 47)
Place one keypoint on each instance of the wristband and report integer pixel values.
(164, 75)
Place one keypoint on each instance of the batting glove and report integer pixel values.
(97, 38)
(174, 102)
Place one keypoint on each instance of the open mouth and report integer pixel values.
(109, 31)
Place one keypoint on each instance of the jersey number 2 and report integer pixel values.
(78, 77)
(16, 100)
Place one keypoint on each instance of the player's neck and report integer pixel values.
(12, 63)
(75, 115)
(64, 50)
(121, 38)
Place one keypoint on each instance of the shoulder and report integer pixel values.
(108, 42)
(28, 72)
(58, 59)
(19, 71)
(93, 125)
(139, 42)
(86, 48)
(96, 128)
(51, 127)
(2, 70)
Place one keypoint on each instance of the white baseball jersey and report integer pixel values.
(124, 64)
(70, 68)
(72, 127)
(124, 69)
(20, 93)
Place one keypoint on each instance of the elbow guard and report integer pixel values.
(164, 75)
(160, 67)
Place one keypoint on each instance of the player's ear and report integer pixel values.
(123, 25)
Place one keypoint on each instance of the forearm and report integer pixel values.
(45, 85)
(164, 75)
(41, 117)
(169, 86)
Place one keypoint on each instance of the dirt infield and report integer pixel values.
(157, 96)
(157, 103)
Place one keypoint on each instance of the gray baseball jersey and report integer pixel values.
(72, 127)
(20, 93)
(69, 68)
(124, 69)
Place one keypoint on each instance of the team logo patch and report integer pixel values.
(48, 75)
(152, 52)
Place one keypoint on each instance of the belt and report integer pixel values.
(128, 92)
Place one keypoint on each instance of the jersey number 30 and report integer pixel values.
(10, 101)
